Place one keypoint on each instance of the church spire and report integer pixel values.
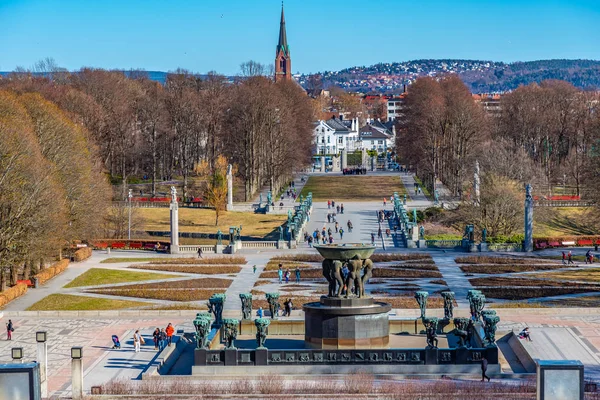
(283, 60)
(282, 45)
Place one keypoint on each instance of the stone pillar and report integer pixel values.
(322, 163)
(77, 378)
(42, 358)
(229, 188)
(364, 158)
(373, 163)
(476, 183)
(174, 222)
(344, 159)
(528, 243)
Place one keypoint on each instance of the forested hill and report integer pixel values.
(480, 76)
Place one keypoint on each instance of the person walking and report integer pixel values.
(162, 342)
(137, 341)
(564, 258)
(341, 233)
(297, 275)
(169, 330)
(570, 257)
(332, 203)
(330, 239)
(199, 252)
(254, 268)
(310, 241)
(384, 202)
(349, 226)
(9, 330)
(156, 338)
(328, 204)
(280, 273)
(337, 226)
(484, 366)
(337, 209)
(372, 238)
(287, 276)
(342, 208)
(260, 312)
(379, 233)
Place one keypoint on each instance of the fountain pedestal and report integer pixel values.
(340, 323)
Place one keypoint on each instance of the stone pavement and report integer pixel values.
(453, 275)
(101, 362)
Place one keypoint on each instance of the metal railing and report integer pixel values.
(562, 203)
(259, 245)
(194, 248)
(443, 244)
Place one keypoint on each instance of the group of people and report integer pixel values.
(288, 306)
(287, 274)
(567, 257)
(162, 338)
(354, 171)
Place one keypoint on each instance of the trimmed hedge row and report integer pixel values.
(52, 271)
(12, 293)
(82, 254)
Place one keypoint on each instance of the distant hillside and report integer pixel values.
(480, 76)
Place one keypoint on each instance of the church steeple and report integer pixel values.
(283, 61)
(282, 45)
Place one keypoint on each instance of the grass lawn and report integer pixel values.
(591, 275)
(100, 276)
(352, 187)
(561, 221)
(203, 221)
(69, 302)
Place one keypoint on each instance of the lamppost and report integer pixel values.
(129, 196)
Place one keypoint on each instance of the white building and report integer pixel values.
(333, 135)
(378, 136)
(395, 108)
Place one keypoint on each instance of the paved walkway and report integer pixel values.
(287, 201)
(244, 281)
(454, 277)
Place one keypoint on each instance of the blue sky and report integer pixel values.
(203, 35)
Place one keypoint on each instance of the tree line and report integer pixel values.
(52, 188)
(163, 132)
(546, 134)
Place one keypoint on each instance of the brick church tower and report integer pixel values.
(283, 60)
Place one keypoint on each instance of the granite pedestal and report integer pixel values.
(340, 323)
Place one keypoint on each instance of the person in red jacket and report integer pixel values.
(169, 331)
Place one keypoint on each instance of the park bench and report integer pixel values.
(100, 245)
(585, 242)
(554, 244)
(541, 245)
(568, 243)
(28, 282)
(118, 245)
(135, 245)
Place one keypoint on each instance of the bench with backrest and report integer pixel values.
(135, 245)
(585, 242)
(554, 244)
(568, 243)
(541, 245)
(118, 245)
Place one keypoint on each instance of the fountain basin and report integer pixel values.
(340, 323)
